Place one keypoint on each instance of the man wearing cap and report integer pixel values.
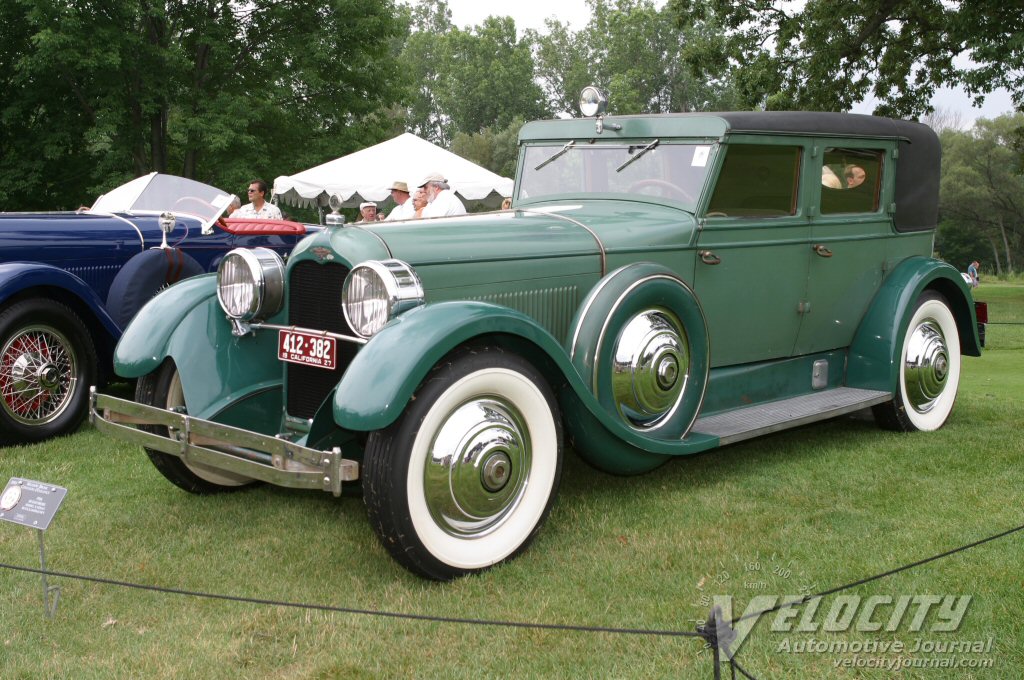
(367, 211)
(403, 210)
(441, 202)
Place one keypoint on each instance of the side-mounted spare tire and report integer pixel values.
(144, 276)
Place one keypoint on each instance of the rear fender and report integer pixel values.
(877, 345)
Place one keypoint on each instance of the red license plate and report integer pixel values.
(309, 349)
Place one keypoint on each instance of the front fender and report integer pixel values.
(16, 277)
(385, 373)
(230, 379)
(877, 345)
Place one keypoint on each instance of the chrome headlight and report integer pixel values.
(250, 283)
(376, 292)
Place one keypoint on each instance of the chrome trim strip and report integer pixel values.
(142, 241)
(597, 239)
(590, 301)
(311, 331)
(262, 457)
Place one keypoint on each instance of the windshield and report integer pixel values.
(155, 193)
(672, 171)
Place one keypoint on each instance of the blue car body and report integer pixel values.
(65, 273)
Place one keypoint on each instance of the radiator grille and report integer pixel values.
(314, 301)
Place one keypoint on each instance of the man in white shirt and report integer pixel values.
(258, 209)
(441, 201)
(403, 209)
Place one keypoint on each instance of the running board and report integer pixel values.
(745, 423)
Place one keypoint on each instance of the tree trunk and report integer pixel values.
(1006, 245)
(995, 258)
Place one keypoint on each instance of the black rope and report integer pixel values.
(363, 612)
(807, 598)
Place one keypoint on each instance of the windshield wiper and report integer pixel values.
(636, 156)
(557, 154)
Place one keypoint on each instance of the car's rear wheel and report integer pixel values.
(929, 370)
(47, 362)
(163, 389)
(466, 476)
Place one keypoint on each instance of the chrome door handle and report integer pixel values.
(822, 250)
(708, 257)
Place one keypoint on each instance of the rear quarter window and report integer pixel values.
(851, 180)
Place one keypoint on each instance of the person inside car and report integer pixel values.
(258, 208)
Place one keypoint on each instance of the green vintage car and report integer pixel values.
(663, 285)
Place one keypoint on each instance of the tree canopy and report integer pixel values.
(635, 52)
(828, 55)
(96, 93)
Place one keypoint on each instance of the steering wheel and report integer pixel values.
(194, 199)
(661, 184)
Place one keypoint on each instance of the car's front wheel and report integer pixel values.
(466, 476)
(929, 370)
(163, 389)
(47, 362)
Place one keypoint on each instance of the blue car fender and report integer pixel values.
(17, 277)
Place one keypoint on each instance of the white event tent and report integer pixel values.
(367, 175)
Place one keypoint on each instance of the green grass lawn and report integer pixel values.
(811, 508)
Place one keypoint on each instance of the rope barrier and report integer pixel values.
(718, 634)
(363, 612)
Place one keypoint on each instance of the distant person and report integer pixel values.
(506, 204)
(258, 208)
(367, 212)
(419, 202)
(233, 206)
(404, 209)
(441, 201)
(972, 271)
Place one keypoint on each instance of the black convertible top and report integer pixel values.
(917, 167)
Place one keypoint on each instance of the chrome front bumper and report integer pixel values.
(268, 459)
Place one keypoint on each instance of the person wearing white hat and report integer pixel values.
(441, 201)
(403, 209)
(367, 211)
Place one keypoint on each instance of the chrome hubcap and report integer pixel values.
(926, 367)
(478, 467)
(37, 375)
(651, 367)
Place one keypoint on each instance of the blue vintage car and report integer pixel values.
(70, 282)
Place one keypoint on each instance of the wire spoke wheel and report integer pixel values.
(38, 375)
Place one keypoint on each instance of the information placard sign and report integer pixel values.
(30, 503)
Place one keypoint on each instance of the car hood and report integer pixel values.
(583, 231)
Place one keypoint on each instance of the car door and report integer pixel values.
(751, 269)
(851, 228)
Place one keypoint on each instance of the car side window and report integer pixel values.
(757, 181)
(851, 180)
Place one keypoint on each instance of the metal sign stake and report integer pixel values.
(33, 504)
(49, 607)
